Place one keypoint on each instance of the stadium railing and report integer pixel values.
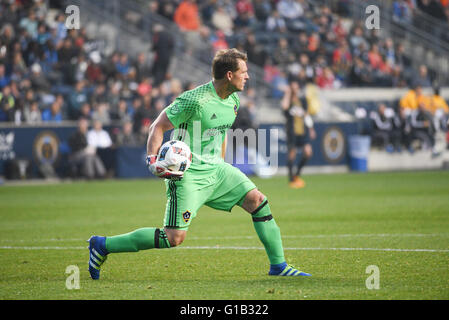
(421, 47)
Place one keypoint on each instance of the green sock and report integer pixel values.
(140, 239)
(269, 233)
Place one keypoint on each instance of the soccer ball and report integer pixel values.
(175, 156)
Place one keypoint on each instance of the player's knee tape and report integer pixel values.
(268, 232)
(262, 213)
(160, 239)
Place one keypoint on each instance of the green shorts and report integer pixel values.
(220, 188)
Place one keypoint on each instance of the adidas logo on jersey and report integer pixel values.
(214, 116)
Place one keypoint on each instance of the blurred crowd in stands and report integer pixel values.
(50, 74)
(300, 39)
(406, 10)
(418, 12)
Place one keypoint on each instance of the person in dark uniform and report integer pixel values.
(423, 127)
(384, 133)
(163, 47)
(402, 125)
(299, 129)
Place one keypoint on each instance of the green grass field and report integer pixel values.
(334, 228)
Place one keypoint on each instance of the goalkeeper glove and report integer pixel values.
(160, 169)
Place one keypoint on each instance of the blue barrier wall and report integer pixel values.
(37, 144)
(48, 144)
(330, 146)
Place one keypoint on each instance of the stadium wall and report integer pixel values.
(47, 145)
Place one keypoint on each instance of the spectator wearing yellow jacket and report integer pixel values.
(439, 110)
(413, 98)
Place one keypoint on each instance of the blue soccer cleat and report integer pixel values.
(97, 255)
(284, 269)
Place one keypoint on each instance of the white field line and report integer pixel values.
(41, 248)
(381, 235)
(234, 248)
(311, 236)
(318, 248)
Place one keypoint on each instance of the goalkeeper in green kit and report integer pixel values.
(201, 118)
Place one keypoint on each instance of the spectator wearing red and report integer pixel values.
(245, 13)
(326, 80)
(342, 55)
(342, 60)
(314, 42)
(145, 87)
(186, 16)
(339, 30)
(374, 57)
(220, 41)
(94, 72)
(244, 7)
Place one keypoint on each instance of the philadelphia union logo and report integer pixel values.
(333, 145)
(46, 148)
